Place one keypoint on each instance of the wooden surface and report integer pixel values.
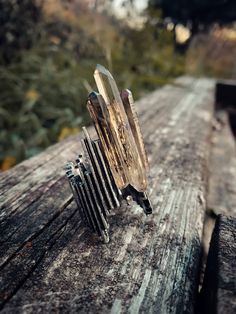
(221, 197)
(219, 287)
(50, 262)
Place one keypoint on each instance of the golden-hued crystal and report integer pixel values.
(117, 125)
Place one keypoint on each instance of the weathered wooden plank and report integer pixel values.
(221, 191)
(221, 197)
(24, 185)
(186, 81)
(151, 263)
(219, 287)
(193, 83)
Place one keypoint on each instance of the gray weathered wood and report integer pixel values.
(50, 262)
(221, 198)
(219, 286)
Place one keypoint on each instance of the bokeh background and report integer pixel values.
(49, 49)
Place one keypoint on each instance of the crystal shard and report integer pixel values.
(132, 169)
(105, 129)
(128, 102)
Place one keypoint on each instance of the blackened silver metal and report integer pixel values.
(113, 166)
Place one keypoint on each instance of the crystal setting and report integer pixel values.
(115, 165)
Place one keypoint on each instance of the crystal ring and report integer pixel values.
(114, 166)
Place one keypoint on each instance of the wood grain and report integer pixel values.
(219, 287)
(50, 262)
(221, 197)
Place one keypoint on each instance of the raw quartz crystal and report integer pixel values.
(115, 165)
(117, 125)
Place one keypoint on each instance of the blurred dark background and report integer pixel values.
(49, 49)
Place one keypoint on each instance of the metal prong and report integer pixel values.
(98, 177)
(105, 174)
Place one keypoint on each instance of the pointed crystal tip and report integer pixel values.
(125, 93)
(92, 95)
(101, 69)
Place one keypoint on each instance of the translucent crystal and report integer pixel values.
(117, 126)
(128, 102)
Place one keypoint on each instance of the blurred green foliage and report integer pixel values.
(44, 82)
(18, 20)
(40, 95)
